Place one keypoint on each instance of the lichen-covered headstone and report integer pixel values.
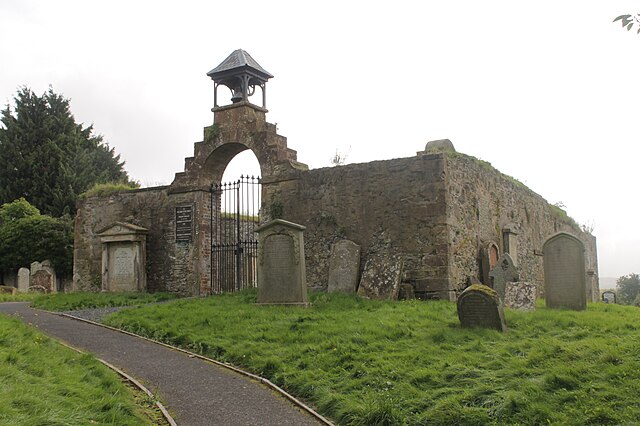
(504, 272)
(381, 277)
(480, 306)
(564, 272)
(24, 277)
(281, 264)
(43, 279)
(609, 297)
(520, 295)
(343, 267)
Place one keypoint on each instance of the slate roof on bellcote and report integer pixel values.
(238, 59)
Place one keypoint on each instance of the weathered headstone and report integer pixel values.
(343, 267)
(381, 277)
(24, 277)
(504, 272)
(123, 257)
(520, 295)
(5, 289)
(564, 272)
(480, 306)
(609, 297)
(43, 279)
(281, 264)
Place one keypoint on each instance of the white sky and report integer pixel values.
(547, 91)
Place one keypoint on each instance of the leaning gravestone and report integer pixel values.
(281, 265)
(480, 306)
(23, 279)
(343, 267)
(520, 295)
(381, 277)
(609, 297)
(564, 272)
(504, 272)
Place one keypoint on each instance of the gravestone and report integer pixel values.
(381, 277)
(123, 257)
(520, 295)
(480, 306)
(43, 279)
(488, 260)
(343, 267)
(406, 292)
(24, 277)
(564, 272)
(5, 289)
(609, 297)
(504, 272)
(281, 265)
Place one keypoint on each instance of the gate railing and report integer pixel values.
(235, 214)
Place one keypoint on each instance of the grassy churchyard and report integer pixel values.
(362, 362)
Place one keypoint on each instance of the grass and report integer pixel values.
(364, 362)
(75, 301)
(44, 383)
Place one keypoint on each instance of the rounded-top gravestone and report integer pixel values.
(564, 272)
(480, 306)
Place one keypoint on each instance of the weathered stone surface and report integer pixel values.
(381, 277)
(480, 306)
(503, 273)
(609, 297)
(343, 267)
(406, 292)
(520, 295)
(440, 145)
(24, 277)
(43, 279)
(123, 257)
(5, 289)
(488, 259)
(281, 264)
(564, 272)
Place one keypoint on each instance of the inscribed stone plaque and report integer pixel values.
(121, 267)
(520, 295)
(343, 267)
(479, 306)
(23, 279)
(281, 265)
(503, 273)
(123, 257)
(564, 272)
(381, 277)
(42, 279)
(184, 224)
(609, 297)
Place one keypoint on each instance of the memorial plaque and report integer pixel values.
(479, 306)
(564, 272)
(503, 273)
(123, 257)
(343, 267)
(281, 264)
(609, 297)
(184, 224)
(122, 272)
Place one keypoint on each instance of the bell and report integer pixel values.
(237, 95)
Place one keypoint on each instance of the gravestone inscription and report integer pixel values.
(480, 306)
(343, 267)
(184, 224)
(564, 272)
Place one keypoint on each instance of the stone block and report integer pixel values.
(381, 277)
(480, 306)
(343, 267)
(520, 295)
(5, 289)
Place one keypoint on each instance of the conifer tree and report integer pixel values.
(49, 159)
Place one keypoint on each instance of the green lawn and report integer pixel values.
(364, 362)
(74, 301)
(44, 383)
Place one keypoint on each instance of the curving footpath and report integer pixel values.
(195, 391)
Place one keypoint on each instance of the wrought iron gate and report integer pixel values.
(235, 214)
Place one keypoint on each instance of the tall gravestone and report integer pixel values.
(479, 306)
(488, 259)
(343, 267)
(564, 272)
(281, 265)
(124, 257)
(504, 272)
(24, 277)
(381, 277)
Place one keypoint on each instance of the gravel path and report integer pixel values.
(96, 314)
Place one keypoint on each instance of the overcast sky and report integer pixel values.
(547, 91)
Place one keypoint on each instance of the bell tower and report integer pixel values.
(241, 74)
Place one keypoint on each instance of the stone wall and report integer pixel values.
(482, 202)
(394, 206)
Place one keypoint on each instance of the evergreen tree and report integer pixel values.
(49, 159)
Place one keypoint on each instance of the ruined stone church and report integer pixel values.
(436, 221)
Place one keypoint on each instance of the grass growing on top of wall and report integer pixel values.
(75, 301)
(44, 383)
(364, 362)
(104, 189)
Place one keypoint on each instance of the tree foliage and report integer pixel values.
(628, 21)
(628, 288)
(27, 236)
(49, 159)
